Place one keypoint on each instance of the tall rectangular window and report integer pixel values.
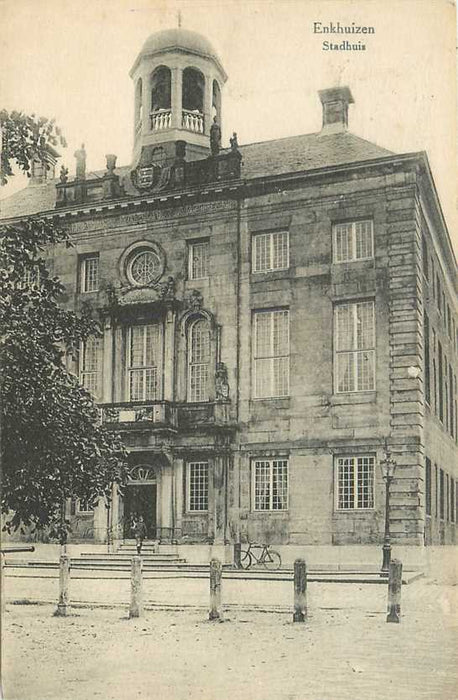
(198, 257)
(90, 365)
(270, 484)
(270, 251)
(441, 494)
(353, 241)
(428, 486)
(198, 360)
(424, 249)
(449, 322)
(447, 496)
(436, 498)
(271, 353)
(144, 360)
(89, 272)
(440, 381)
(427, 359)
(452, 499)
(355, 482)
(438, 294)
(451, 400)
(197, 491)
(354, 342)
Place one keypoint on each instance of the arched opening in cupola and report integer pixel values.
(161, 96)
(193, 89)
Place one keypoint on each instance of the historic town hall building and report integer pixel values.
(275, 317)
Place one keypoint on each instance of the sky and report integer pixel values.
(70, 59)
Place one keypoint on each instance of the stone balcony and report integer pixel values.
(166, 415)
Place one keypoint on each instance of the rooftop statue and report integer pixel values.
(215, 137)
(80, 156)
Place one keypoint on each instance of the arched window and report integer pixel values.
(193, 100)
(161, 96)
(161, 89)
(198, 360)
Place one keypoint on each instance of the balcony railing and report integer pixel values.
(161, 119)
(158, 414)
(165, 414)
(193, 121)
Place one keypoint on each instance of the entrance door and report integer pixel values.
(140, 500)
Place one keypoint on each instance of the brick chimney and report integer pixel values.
(335, 103)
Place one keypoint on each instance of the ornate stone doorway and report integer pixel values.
(140, 498)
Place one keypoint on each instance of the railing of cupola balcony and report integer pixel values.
(161, 119)
(193, 121)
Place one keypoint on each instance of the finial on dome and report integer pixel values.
(179, 19)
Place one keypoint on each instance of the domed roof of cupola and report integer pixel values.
(178, 39)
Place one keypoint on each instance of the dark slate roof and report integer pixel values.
(306, 152)
(279, 156)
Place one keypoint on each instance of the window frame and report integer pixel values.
(355, 457)
(144, 368)
(354, 258)
(97, 372)
(191, 364)
(355, 351)
(84, 511)
(271, 462)
(258, 360)
(83, 273)
(192, 244)
(189, 498)
(269, 236)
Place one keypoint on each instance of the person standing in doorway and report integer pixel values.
(140, 533)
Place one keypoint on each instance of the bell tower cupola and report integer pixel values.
(178, 79)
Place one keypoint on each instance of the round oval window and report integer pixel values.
(145, 267)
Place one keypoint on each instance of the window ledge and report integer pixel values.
(280, 402)
(353, 398)
(354, 511)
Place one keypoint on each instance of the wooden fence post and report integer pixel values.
(237, 555)
(394, 591)
(63, 607)
(300, 591)
(136, 592)
(216, 569)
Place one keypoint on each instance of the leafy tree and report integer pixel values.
(53, 446)
(23, 138)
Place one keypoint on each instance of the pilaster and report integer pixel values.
(406, 437)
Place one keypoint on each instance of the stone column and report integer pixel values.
(119, 387)
(211, 500)
(178, 467)
(108, 364)
(169, 355)
(208, 104)
(219, 496)
(177, 77)
(166, 503)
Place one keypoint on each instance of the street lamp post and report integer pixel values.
(388, 467)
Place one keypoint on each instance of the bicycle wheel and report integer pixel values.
(245, 559)
(272, 560)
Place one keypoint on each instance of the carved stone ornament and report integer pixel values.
(141, 473)
(221, 382)
(195, 300)
(167, 289)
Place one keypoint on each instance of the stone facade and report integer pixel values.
(296, 463)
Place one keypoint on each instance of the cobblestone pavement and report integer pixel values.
(346, 650)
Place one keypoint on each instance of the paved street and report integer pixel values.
(345, 650)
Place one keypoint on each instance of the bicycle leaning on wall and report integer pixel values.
(260, 555)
